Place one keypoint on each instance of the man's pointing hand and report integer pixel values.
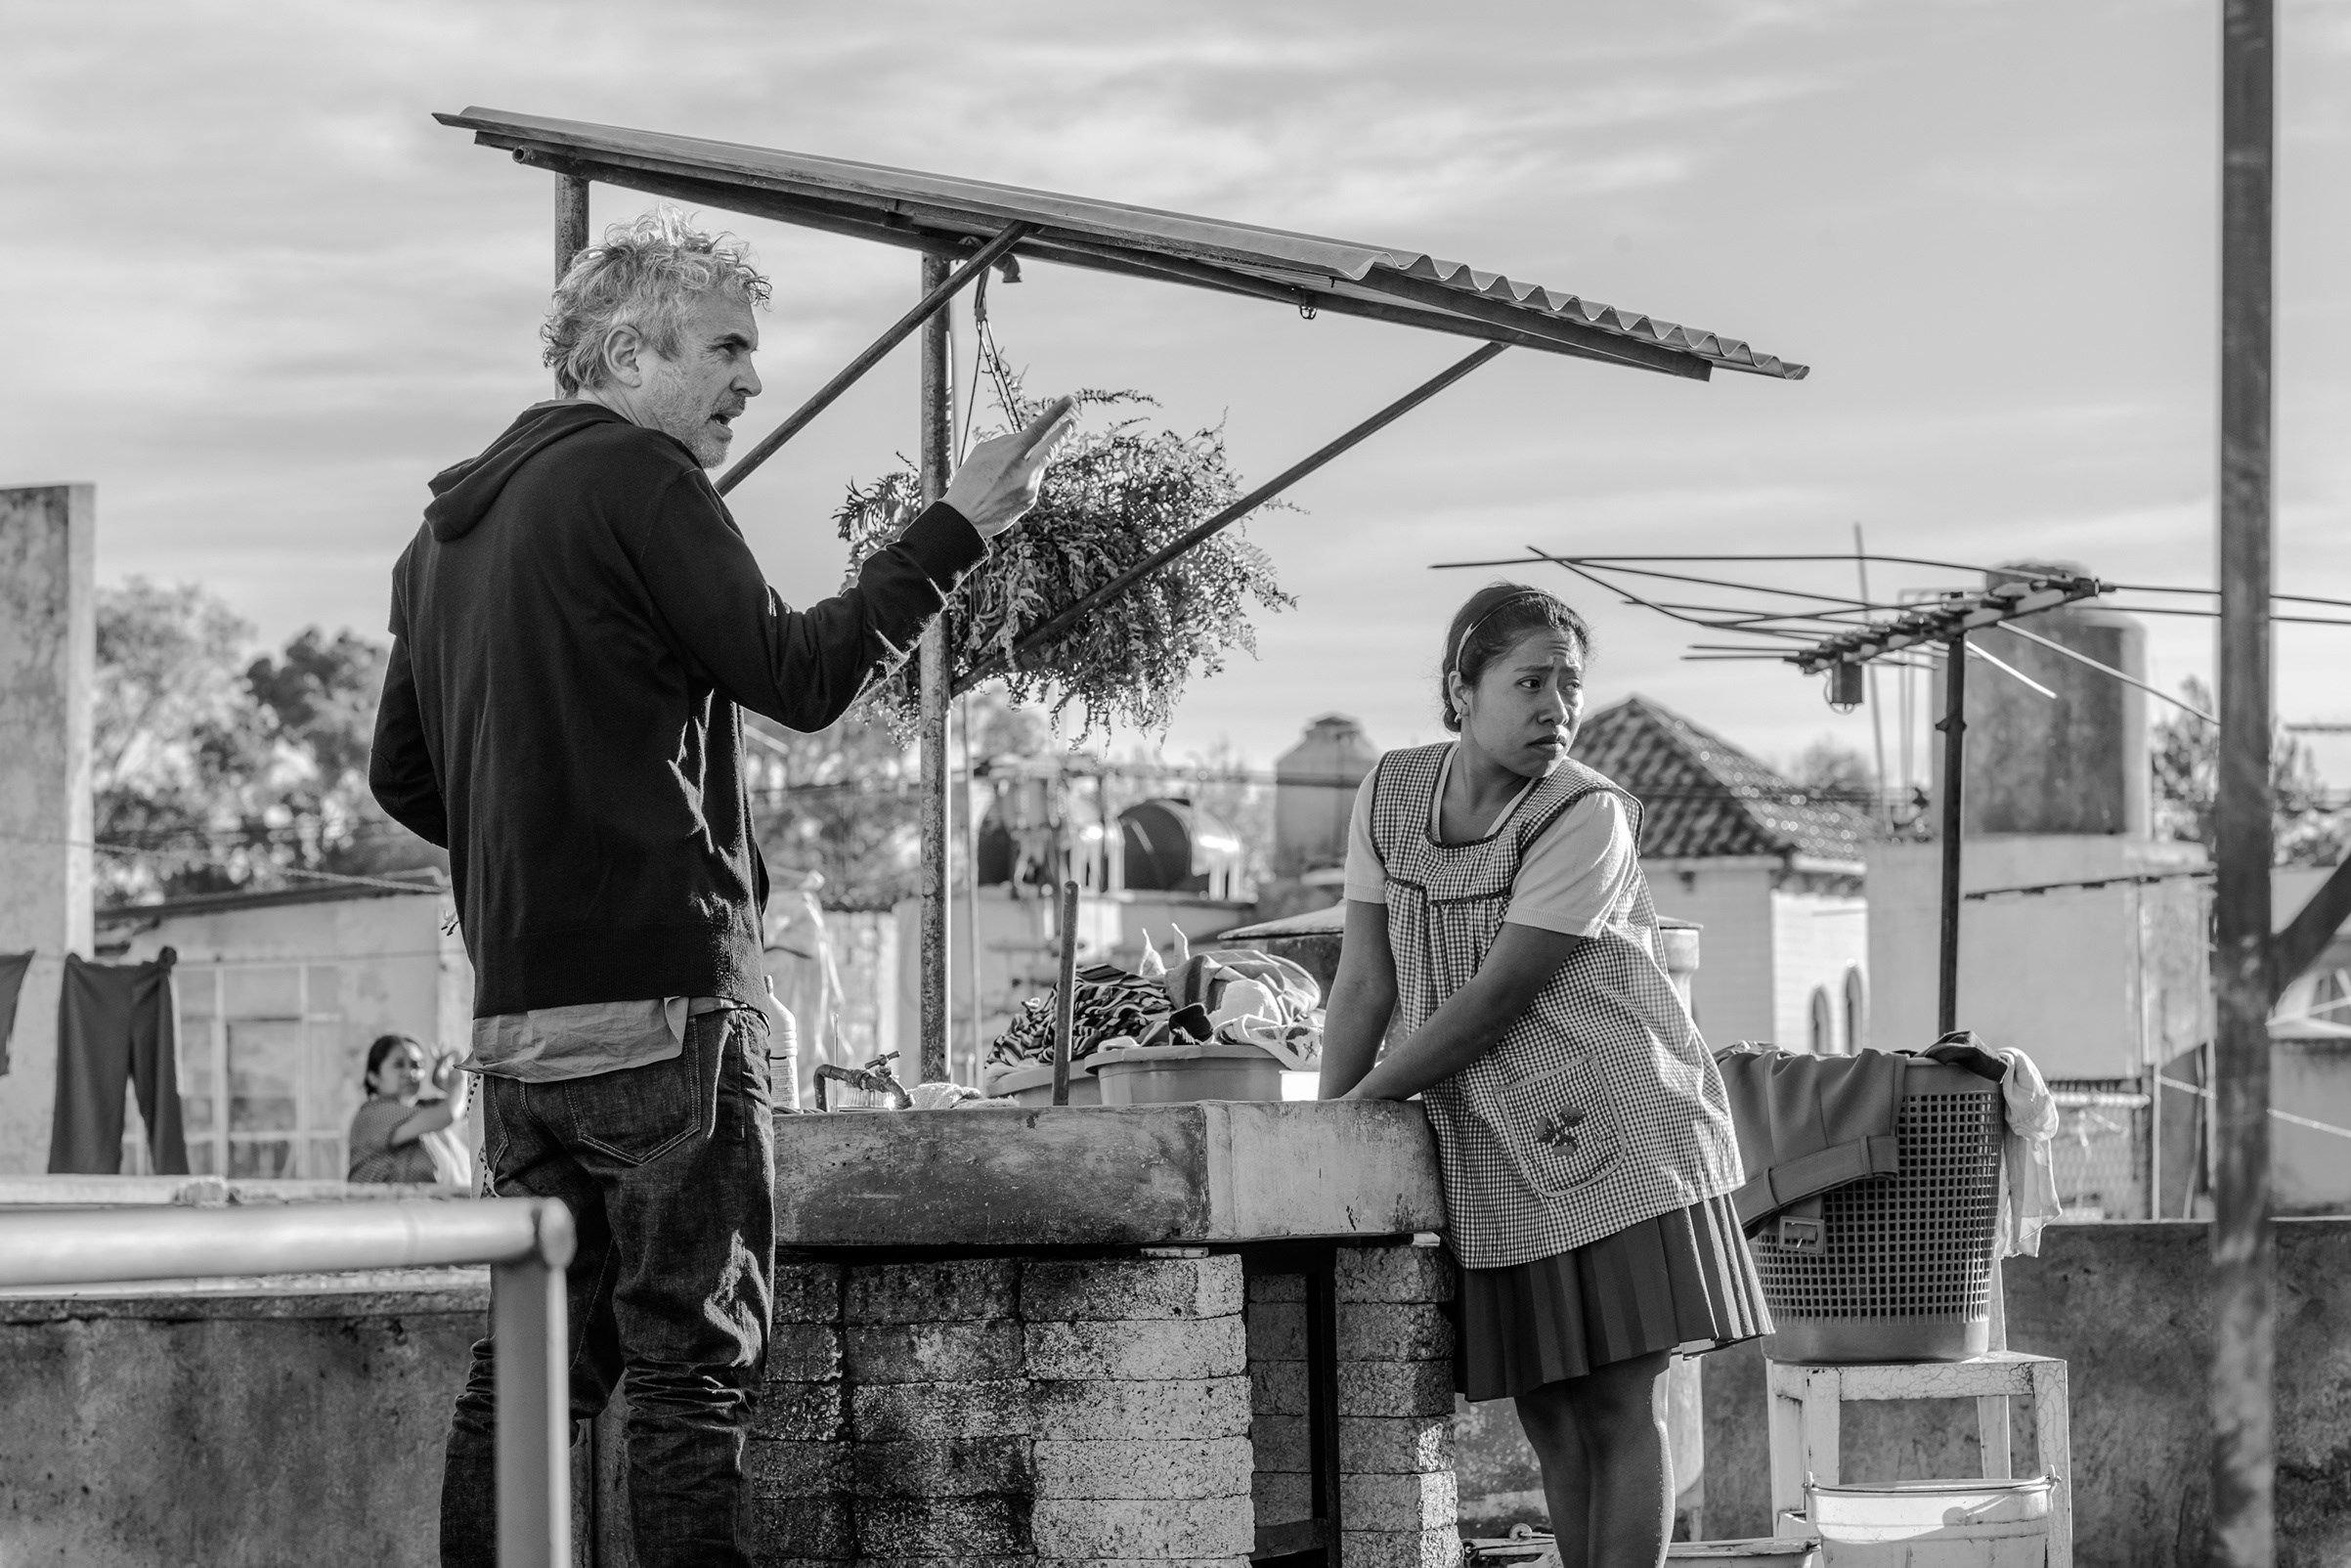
(999, 481)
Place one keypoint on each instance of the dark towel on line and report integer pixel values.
(12, 981)
(116, 1023)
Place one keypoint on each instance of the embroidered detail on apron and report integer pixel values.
(1601, 1107)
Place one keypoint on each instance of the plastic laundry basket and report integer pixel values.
(1902, 1270)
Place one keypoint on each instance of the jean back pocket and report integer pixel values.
(639, 1113)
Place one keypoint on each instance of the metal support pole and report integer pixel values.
(1064, 995)
(938, 288)
(1060, 624)
(938, 439)
(534, 1415)
(571, 225)
(571, 221)
(2244, 1255)
(1954, 727)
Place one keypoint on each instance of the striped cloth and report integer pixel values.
(1606, 1052)
(1680, 1281)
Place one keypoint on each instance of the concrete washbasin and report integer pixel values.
(995, 1176)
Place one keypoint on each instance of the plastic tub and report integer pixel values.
(1180, 1074)
(1033, 1086)
(1904, 1269)
(1932, 1524)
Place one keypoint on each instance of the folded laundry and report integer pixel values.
(1807, 1124)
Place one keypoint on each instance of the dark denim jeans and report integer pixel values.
(669, 1174)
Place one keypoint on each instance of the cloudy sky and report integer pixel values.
(257, 295)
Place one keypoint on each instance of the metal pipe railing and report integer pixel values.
(527, 1242)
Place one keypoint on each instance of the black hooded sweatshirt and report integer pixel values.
(573, 630)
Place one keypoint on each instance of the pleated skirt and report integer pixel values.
(1681, 1282)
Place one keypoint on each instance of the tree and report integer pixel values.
(843, 802)
(213, 773)
(1834, 771)
(2186, 764)
(174, 737)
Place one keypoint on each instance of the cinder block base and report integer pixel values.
(808, 1527)
(1400, 1549)
(1277, 1330)
(1194, 1406)
(1093, 1528)
(1394, 1331)
(942, 1467)
(969, 1352)
(1137, 1348)
(1395, 1388)
(1395, 1445)
(799, 1412)
(1282, 1497)
(1403, 1503)
(795, 1469)
(1283, 1442)
(952, 1291)
(807, 1292)
(1143, 1468)
(803, 1353)
(1082, 1291)
(1278, 1387)
(956, 1528)
(896, 1412)
(1395, 1273)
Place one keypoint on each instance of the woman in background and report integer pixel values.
(1497, 917)
(397, 1135)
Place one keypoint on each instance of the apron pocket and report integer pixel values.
(1555, 1129)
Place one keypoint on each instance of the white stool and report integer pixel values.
(1806, 1419)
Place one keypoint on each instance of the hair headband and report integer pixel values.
(1454, 664)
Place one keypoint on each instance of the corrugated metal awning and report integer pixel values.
(920, 211)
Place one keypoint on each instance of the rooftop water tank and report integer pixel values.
(1174, 846)
(1314, 792)
(2077, 764)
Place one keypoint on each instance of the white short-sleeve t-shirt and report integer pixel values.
(1570, 878)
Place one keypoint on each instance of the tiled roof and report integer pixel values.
(1701, 795)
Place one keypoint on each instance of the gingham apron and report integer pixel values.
(1606, 1053)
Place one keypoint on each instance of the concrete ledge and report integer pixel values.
(1104, 1176)
(204, 1191)
(375, 1293)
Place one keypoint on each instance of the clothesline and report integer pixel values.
(2287, 1116)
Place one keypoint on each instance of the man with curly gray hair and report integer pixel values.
(575, 629)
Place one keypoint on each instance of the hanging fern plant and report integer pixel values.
(1109, 499)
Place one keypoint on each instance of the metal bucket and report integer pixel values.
(1932, 1524)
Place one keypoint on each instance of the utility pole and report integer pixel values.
(2243, 1247)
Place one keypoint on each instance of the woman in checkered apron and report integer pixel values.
(1500, 938)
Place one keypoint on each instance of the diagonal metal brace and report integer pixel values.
(2298, 946)
(1059, 626)
(905, 328)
